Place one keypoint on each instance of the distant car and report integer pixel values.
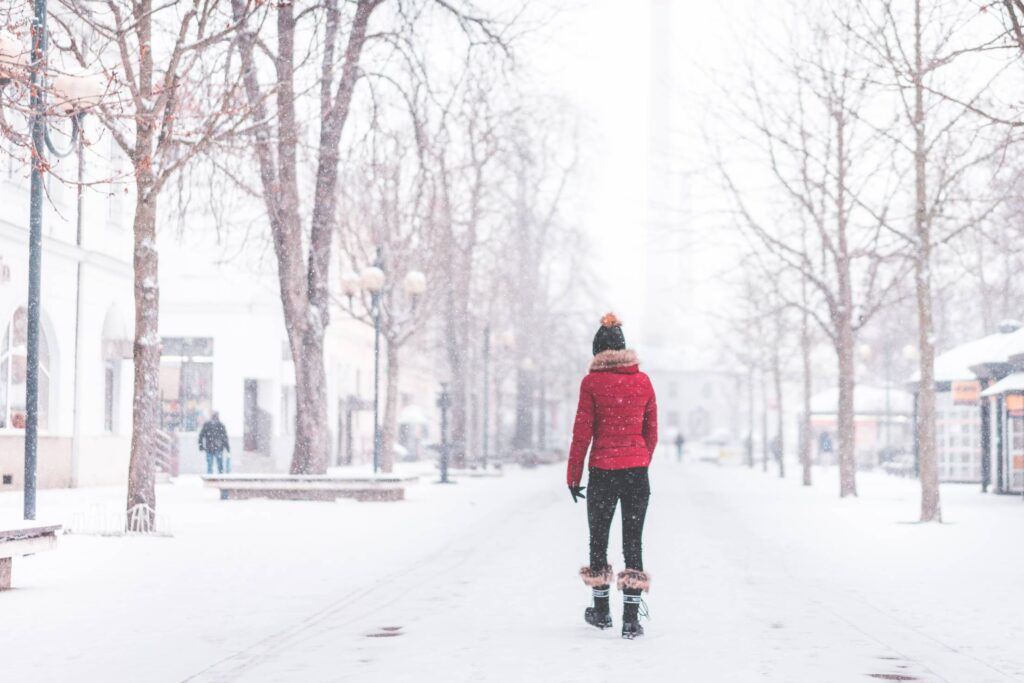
(718, 438)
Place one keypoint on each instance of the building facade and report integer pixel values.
(225, 348)
(86, 315)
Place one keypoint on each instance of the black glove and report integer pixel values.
(577, 492)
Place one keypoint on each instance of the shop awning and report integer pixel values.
(867, 400)
(967, 361)
(1008, 385)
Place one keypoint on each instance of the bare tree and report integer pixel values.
(831, 168)
(917, 51)
(389, 216)
(171, 99)
(539, 164)
(335, 63)
(303, 254)
(471, 141)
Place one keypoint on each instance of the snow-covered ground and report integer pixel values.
(754, 579)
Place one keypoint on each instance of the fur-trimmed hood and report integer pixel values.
(613, 360)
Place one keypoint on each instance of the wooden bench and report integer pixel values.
(23, 540)
(309, 487)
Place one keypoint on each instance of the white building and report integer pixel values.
(958, 417)
(882, 424)
(698, 403)
(225, 348)
(87, 311)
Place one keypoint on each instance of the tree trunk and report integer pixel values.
(141, 504)
(141, 511)
(457, 324)
(542, 416)
(931, 510)
(459, 419)
(765, 439)
(805, 418)
(389, 426)
(843, 318)
(310, 452)
(276, 133)
(751, 416)
(780, 449)
(845, 436)
(522, 437)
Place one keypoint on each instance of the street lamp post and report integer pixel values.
(72, 91)
(35, 252)
(373, 279)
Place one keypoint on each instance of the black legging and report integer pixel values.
(604, 490)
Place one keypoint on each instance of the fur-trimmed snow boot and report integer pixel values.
(633, 582)
(599, 581)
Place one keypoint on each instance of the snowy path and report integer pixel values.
(754, 579)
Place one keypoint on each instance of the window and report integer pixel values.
(186, 382)
(1016, 428)
(13, 368)
(958, 440)
(187, 346)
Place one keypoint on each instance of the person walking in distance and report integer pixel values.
(213, 440)
(617, 419)
(680, 444)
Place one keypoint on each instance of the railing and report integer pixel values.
(166, 452)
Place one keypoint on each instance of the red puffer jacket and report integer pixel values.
(618, 412)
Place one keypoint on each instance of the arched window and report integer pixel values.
(13, 365)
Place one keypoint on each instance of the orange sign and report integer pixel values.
(1015, 405)
(1018, 463)
(966, 393)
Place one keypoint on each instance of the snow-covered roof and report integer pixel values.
(956, 364)
(1009, 384)
(866, 400)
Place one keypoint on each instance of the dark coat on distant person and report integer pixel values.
(213, 437)
(617, 412)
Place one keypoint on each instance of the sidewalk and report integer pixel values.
(753, 579)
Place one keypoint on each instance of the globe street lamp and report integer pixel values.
(72, 92)
(373, 280)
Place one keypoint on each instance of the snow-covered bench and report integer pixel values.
(23, 539)
(473, 473)
(309, 487)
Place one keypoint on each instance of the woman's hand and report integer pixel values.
(577, 492)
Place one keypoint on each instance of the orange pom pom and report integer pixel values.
(610, 320)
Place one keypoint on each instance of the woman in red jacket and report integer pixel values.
(617, 419)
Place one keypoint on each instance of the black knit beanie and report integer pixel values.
(609, 337)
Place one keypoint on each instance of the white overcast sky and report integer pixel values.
(598, 53)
